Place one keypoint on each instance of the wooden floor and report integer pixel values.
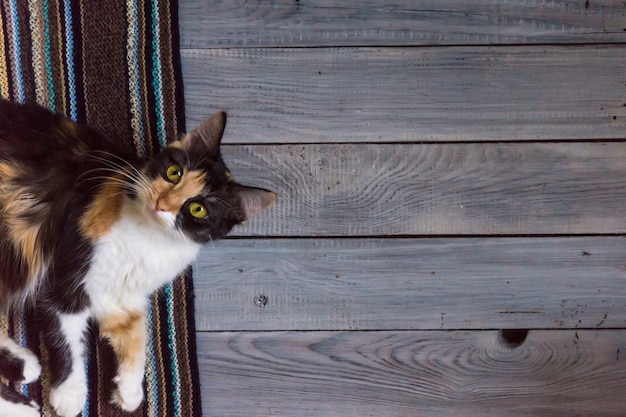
(446, 170)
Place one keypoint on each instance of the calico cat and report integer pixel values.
(89, 230)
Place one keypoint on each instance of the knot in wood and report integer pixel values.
(260, 300)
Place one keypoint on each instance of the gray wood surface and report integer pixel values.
(374, 284)
(398, 22)
(385, 374)
(444, 169)
(436, 189)
(410, 94)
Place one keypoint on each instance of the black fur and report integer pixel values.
(60, 359)
(11, 367)
(13, 396)
(56, 170)
(62, 166)
(218, 196)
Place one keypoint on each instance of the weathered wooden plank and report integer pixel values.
(410, 94)
(436, 189)
(398, 22)
(384, 374)
(374, 284)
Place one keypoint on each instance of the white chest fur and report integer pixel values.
(134, 259)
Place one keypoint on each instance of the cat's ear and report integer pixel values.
(208, 134)
(253, 200)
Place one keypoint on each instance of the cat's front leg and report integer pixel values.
(64, 335)
(126, 333)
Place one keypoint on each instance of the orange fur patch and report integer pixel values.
(126, 334)
(16, 202)
(25, 236)
(171, 197)
(104, 210)
(176, 144)
(68, 127)
(7, 171)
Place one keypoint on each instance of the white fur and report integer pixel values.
(129, 392)
(140, 254)
(32, 368)
(9, 409)
(167, 218)
(68, 399)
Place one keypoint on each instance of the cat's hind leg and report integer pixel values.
(65, 339)
(14, 404)
(17, 363)
(126, 333)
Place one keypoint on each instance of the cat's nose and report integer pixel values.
(163, 205)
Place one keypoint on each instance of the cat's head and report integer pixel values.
(189, 189)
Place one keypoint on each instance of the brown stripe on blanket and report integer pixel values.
(92, 65)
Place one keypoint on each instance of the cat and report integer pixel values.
(89, 230)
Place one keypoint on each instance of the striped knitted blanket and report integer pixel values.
(114, 65)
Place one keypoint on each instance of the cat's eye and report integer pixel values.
(174, 173)
(198, 210)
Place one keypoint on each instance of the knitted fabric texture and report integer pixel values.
(114, 65)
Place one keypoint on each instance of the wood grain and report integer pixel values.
(397, 22)
(374, 284)
(436, 189)
(384, 374)
(409, 94)
(444, 169)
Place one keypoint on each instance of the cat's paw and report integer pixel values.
(129, 392)
(32, 368)
(19, 363)
(8, 409)
(68, 399)
(15, 404)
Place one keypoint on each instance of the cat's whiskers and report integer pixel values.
(126, 178)
(133, 173)
(135, 176)
(201, 161)
(136, 188)
(187, 156)
(90, 224)
(220, 200)
(109, 167)
(125, 163)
